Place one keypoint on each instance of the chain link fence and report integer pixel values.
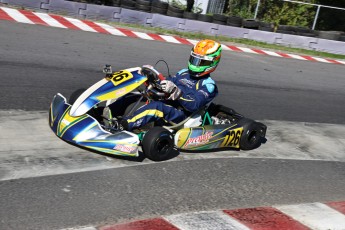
(216, 6)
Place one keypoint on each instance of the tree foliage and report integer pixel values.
(279, 12)
(331, 19)
(287, 13)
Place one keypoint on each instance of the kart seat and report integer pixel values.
(193, 118)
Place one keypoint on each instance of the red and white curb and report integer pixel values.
(318, 216)
(52, 20)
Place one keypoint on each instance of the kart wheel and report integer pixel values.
(253, 136)
(158, 144)
(74, 96)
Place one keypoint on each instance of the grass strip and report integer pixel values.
(222, 39)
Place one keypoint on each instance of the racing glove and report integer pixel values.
(170, 88)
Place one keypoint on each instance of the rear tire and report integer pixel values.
(253, 136)
(158, 144)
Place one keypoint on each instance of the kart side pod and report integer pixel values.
(245, 135)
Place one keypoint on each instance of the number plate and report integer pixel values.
(233, 138)
(120, 77)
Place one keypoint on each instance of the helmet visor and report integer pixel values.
(198, 60)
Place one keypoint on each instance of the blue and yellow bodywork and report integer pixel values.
(85, 131)
(72, 123)
(209, 137)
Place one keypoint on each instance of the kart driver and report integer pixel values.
(190, 89)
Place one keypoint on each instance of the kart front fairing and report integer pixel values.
(72, 123)
(119, 84)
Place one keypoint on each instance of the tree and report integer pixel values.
(279, 12)
(287, 13)
(331, 19)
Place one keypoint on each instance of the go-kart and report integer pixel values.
(89, 120)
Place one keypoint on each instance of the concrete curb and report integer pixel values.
(303, 216)
(24, 16)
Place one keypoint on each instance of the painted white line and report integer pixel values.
(192, 41)
(321, 60)
(143, 35)
(316, 216)
(342, 62)
(81, 25)
(170, 39)
(205, 221)
(49, 20)
(16, 15)
(247, 50)
(81, 228)
(110, 29)
(271, 53)
(297, 57)
(225, 47)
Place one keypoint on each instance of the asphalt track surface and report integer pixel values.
(36, 62)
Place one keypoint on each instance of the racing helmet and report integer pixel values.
(204, 57)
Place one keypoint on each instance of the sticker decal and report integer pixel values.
(125, 148)
(120, 77)
(233, 138)
(199, 140)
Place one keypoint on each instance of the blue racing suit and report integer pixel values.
(196, 92)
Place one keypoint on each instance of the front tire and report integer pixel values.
(158, 144)
(74, 96)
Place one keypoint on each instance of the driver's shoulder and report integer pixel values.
(209, 84)
(183, 72)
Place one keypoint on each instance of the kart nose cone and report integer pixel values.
(80, 110)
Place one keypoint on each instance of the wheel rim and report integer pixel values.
(163, 146)
(252, 137)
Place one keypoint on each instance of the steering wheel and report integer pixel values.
(153, 79)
